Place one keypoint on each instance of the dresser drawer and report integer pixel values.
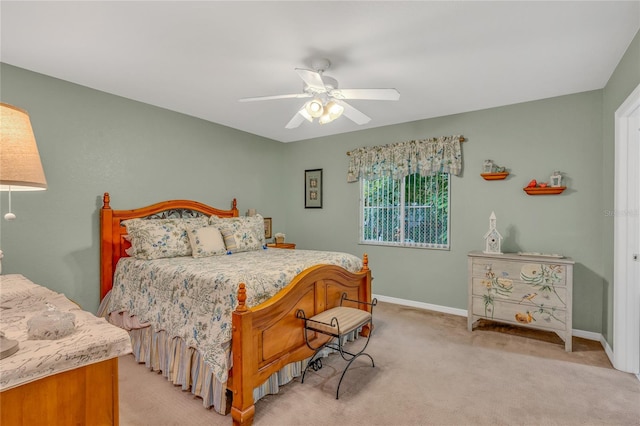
(520, 292)
(542, 317)
(525, 290)
(529, 272)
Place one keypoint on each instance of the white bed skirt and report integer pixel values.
(183, 366)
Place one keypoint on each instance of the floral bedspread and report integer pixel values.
(193, 298)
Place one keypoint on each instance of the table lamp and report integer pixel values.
(20, 170)
(20, 165)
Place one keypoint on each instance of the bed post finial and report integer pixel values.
(365, 262)
(235, 204)
(105, 201)
(242, 298)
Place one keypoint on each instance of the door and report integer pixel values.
(626, 286)
(634, 148)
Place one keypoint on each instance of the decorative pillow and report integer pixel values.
(241, 233)
(158, 238)
(206, 241)
(229, 240)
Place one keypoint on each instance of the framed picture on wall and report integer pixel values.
(267, 227)
(313, 189)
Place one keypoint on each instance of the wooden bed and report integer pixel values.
(266, 337)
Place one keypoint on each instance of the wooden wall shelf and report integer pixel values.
(549, 190)
(494, 176)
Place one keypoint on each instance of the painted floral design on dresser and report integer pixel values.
(543, 278)
(496, 285)
(545, 313)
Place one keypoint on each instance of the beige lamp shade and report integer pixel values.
(20, 165)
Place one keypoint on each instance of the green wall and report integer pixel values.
(623, 81)
(530, 139)
(91, 142)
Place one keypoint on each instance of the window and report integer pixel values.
(405, 191)
(409, 212)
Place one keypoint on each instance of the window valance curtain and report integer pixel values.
(426, 157)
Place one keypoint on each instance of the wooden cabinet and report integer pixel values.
(528, 291)
(86, 395)
(290, 246)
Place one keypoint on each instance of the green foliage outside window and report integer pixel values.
(413, 211)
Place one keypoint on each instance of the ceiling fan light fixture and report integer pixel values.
(334, 109)
(325, 118)
(331, 111)
(324, 100)
(314, 108)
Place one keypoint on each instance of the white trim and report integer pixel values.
(589, 335)
(422, 305)
(626, 312)
(607, 348)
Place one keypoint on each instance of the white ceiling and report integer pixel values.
(200, 57)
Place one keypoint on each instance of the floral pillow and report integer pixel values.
(158, 238)
(206, 241)
(241, 233)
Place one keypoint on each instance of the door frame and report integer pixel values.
(626, 291)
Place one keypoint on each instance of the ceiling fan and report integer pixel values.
(328, 101)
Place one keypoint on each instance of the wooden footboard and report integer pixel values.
(269, 336)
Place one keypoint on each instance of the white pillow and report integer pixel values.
(206, 241)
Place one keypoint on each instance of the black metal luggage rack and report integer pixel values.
(337, 322)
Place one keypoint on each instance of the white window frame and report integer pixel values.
(403, 243)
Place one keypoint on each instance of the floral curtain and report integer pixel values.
(426, 157)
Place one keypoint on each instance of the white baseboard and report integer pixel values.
(422, 305)
(609, 352)
(589, 335)
(607, 348)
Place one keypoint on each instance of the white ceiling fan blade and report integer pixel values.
(353, 114)
(268, 98)
(312, 79)
(297, 119)
(368, 94)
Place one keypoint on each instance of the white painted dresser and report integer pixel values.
(528, 291)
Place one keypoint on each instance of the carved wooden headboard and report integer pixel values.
(112, 241)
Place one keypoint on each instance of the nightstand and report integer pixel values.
(290, 246)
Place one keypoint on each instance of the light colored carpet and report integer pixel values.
(429, 371)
